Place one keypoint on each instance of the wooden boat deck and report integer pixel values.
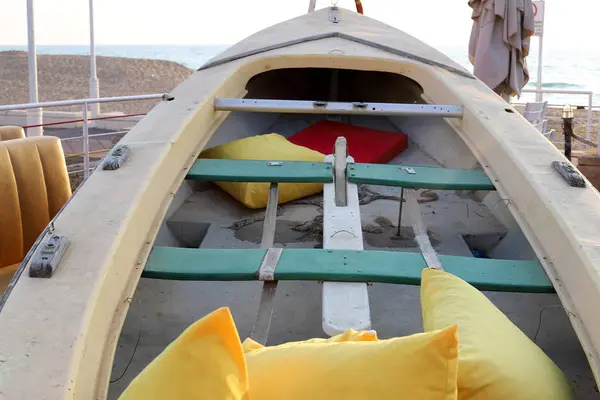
(208, 219)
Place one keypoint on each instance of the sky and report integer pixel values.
(200, 22)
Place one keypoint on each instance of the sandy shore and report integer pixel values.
(63, 77)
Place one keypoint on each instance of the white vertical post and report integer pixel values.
(598, 137)
(34, 116)
(539, 17)
(312, 5)
(539, 96)
(588, 135)
(86, 142)
(339, 166)
(94, 84)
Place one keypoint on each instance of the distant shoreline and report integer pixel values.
(63, 77)
(559, 70)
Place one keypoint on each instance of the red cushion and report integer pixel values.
(364, 144)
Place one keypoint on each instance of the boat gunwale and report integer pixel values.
(342, 35)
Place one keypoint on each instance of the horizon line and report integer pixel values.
(112, 44)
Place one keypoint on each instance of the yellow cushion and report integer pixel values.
(11, 133)
(350, 335)
(205, 362)
(497, 360)
(421, 366)
(265, 147)
(6, 275)
(34, 185)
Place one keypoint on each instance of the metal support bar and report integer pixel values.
(400, 211)
(86, 142)
(260, 330)
(94, 136)
(343, 108)
(340, 180)
(26, 106)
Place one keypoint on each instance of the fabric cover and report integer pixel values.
(265, 147)
(420, 366)
(497, 360)
(34, 185)
(11, 132)
(205, 362)
(499, 44)
(365, 145)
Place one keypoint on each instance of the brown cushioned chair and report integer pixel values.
(34, 185)
(11, 132)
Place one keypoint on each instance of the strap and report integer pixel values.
(266, 272)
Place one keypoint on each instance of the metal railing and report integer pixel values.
(85, 119)
(590, 111)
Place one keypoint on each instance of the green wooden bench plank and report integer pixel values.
(222, 170)
(188, 264)
(423, 178)
(343, 266)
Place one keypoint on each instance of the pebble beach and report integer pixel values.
(65, 77)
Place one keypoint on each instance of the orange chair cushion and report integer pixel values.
(6, 275)
(34, 185)
(11, 133)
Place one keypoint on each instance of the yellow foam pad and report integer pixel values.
(497, 360)
(420, 366)
(205, 362)
(265, 147)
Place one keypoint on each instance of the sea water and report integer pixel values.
(564, 69)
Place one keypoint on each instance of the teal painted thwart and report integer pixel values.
(422, 178)
(221, 170)
(343, 266)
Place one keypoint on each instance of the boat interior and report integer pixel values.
(469, 223)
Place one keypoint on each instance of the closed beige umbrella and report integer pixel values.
(499, 44)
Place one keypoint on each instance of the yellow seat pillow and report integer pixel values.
(350, 335)
(420, 366)
(497, 360)
(272, 147)
(205, 362)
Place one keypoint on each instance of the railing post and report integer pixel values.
(589, 118)
(86, 143)
(34, 116)
(94, 85)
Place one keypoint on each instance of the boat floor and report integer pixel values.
(209, 218)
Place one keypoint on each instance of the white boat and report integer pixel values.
(495, 191)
